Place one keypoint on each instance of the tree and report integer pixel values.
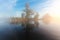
(46, 18)
(28, 13)
(36, 18)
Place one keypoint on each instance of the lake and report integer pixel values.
(17, 32)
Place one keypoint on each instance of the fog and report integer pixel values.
(52, 29)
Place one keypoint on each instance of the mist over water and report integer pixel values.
(52, 29)
(9, 31)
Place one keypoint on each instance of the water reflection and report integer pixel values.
(17, 32)
(10, 31)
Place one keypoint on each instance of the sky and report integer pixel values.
(15, 7)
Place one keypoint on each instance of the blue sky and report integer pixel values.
(15, 7)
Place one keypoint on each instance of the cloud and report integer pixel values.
(50, 6)
(7, 4)
(6, 7)
(18, 14)
(53, 8)
(32, 0)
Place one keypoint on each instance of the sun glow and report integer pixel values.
(54, 9)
